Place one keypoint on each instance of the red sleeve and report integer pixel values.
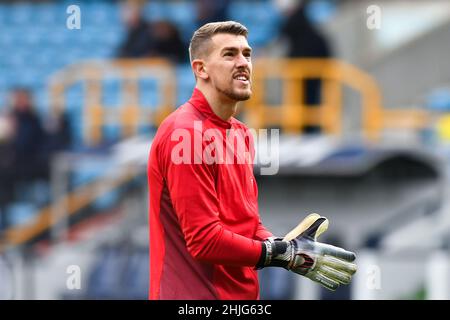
(262, 233)
(192, 191)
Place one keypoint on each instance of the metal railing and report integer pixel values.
(291, 114)
(130, 114)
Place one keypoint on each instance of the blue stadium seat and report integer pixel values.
(55, 37)
(3, 14)
(49, 15)
(238, 11)
(147, 129)
(84, 173)
(20, 14)
(100, 14)
(16, 36)
(46, 58)
(19, 213)
(154, 10)
(263, 20)
(77, 130)
(25, 78)
(20, 59)
(112, 37)
(111, 133)
(320, 11)
(74, 98)
(185, 83)
(106, 201)
(4, 80)
(74, 95)
(180, 12)
(148, 93)
(85, 36)
(7, 38)
(112, 95)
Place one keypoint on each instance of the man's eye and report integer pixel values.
(228, 54)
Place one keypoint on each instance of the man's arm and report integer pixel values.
(262, 233)
(192, 191)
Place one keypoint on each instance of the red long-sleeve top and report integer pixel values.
(205, 229)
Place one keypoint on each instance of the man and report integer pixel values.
(21, 151)
(138, 39)
(206, 236)
(305, 41)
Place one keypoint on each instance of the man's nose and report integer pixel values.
(242, 61)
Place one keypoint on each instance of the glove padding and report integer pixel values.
(300, 252)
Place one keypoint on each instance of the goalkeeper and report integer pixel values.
(206, 236)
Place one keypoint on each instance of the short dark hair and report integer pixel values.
(202, 37)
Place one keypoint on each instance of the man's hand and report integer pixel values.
(300, 252)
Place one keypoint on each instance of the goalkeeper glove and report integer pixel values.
(300, 252)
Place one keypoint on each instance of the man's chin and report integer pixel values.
(242, 95)
(236, 95)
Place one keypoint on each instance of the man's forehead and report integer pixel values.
(226, 40)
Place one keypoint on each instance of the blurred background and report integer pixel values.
(360, 91)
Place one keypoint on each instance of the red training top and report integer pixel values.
(205, 230)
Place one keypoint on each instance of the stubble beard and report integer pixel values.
(232, 94)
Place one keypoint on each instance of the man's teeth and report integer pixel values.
(241, 78)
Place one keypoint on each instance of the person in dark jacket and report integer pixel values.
(28, 138)
(305, 41)
(167, 42)
(138, 39)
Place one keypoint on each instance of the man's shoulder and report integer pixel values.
(184, 117)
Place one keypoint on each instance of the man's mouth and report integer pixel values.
(242, 77)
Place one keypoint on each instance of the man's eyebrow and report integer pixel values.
(236, 49)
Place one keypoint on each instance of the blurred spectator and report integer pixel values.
(138, 39)
(212, 11)
(166, 42)
(28, 136)
(6, 163)
(20, 154)
(25, 147)
(304, 41)
(155, 39)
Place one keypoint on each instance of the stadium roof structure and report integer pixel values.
(307, 155)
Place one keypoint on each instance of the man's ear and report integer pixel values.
(198, 65)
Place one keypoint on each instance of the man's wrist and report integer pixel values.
(274, 253)
(266, 254)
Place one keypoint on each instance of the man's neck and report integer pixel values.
(223, 107)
